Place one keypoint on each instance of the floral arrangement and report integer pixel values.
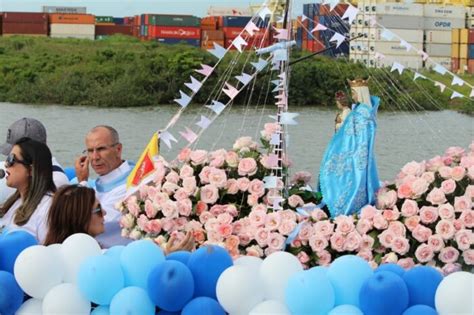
(220, 197)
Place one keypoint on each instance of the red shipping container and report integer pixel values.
(454, 64)
(24, 17)
(174, 32)
(315, 46)
(305, 29)
(25, 28)
(212, 35)
(470, 38)
(470, 66)
(113, 29)
(209, 44)
(231, 32)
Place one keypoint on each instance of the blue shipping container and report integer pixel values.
(334, 23)
(119, 21)
(470, 51)
(172, 41)
(235, 21)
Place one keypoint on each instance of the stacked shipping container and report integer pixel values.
(18, 23)
(171, 29)
(72, 26)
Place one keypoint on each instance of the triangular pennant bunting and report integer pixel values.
(288, 118)
(350, 14)
(440, 69)
(332, 4)
(205, 70)
(387, 35)
(270, 182)
(218, 51)
(264, 12)
(472, 93)
(457, 81)
(280, 55)
(423, 55)
(238, 42)
(440, 85)
(417, 75)
(184, 100)
(456, 95)
(319, 27)
(282, 34)
(379, 55)
(405, 44)
(216, 107)
(189, 135)
(398, 67)
(244, 78)
(338, 38)
(167, 137)
(204, 122)
(230, 91)
(260, 65)
(251, 28)
(275, 139)
(195, 85)
(303, 18)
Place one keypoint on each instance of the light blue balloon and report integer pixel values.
(101, 310)
(115, 252)
(138, 259)
(347, 275)
(100, 278)
(392, 268)
(319, 270)
(70, 172)
(132, 301)
(309, 292)
(346, 310)
(420, 310)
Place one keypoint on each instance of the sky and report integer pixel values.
(131, 7)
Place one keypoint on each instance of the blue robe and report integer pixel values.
(348, 177)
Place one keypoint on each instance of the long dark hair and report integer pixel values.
(70, 213)
(38, 157)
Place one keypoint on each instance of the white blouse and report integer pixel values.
(36, 225)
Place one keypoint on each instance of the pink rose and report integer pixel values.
(286, 215)
(318, 243)
(306, 232)
(400, 245)
(232, 187)
(269, 130)
(404, 191)
(436, 242)
(295, 201)
(353, 241)
(261, 236)
(170, 209)
(428, 215)
(169, 188)
(458, 173)
(181, 194)
(186, 171)
(254, 250)
(386, 238)
(428, 176)
(153, 227)
(387, 199)
(217, 177)
(421, 233)
(398, 228)
(468, 256)
(344, 224)
(406, 263)
(252, 200)
(337, 242)
(324, 228)
(160, 199)
(448, 255)
(462, 203)
(424, 253)
(127, 221)
(185, 206)
(435, 163)
(286, 227)
(368, 212)
(201, 207)
(150, 210)
(209, 194)
(232, 242)
(204, 175)
(413, 168)
(469, 192)
(272, 221)
(451, 268)
(412, 222)
(318, 215)
(365, 254)
(324, 258)
(363, 226)
(243, 183)
(189, 185)
(247, 167)
(436, 197)
(198, 157)
(455, 152)
(276, 241)
(467, 161)
(143, 191)
(257, 218)
(217, 158)
(419, 187)
(217, 209)
(470, 172)
(172, 177)
(391, 214)
(232, 158)
(184, 155)
(244, 144)
(467, 218)
(409, 208)
(205, 216)
(445, 229)
(464, 239)
(303, 257)
(256, 187)
(267, 162)
(160, 171)
(224, 229)
(458, 224)
(446, 211)
(302, 178)
(132, 205)
(367, 243)
(379, 222)
(445, 172)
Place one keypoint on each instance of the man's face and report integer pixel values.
(103, 153)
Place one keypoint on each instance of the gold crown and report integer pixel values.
(358, 82)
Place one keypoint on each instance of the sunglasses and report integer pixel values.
(98, 210)
(12, 160)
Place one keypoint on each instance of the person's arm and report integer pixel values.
(186, 244)
(82, 168)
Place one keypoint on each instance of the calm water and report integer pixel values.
(401, 137)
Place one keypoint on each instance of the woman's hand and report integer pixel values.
(186, 244)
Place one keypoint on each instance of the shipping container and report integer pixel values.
(412, 62)
(389, 48)
(470, 66)
(402, 9)
(444, 61)
(443, 23)
(79, 29)
(470, 23)
(73, 35)
(463, 51)
(455, 50)
(448, 11)
(401, 22)
(455, 33)
(315, 46)
(464, 36)
(316, 9)
(234, 11)
(438, 50)
(209, 23)
(71, 19)
(454, 64)
(462, 65)
(119, 21)
(470, 38)
(209, 44)
(173, 41)
(104, 19)
(438, 37)
(171, 20)
(470, 51)
(413, 36)
(174, 32)
(13, 28)
(234, 21)
(101, 30)
(212, 35)
(24, 17)
(68, 10)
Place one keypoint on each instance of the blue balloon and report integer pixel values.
(115, 252)
(318, 270)
(309, 292)
(181, 256)
(420, 310)
(11, 245)
(207, 264)
(138, 259)
(167, 313)
(422, 282)
(101, 310)
(392, 268)
(347, 275)
(203, 305)
(171, 285)
(132, 301)
(70, 172)
(100, 278)
(346, 310)
(383, 293)
(11, 295)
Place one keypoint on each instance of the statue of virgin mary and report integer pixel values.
(348, 177)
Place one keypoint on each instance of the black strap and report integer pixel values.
(57, 169)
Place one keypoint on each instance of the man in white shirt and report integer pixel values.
(104, 154)
(33, 129)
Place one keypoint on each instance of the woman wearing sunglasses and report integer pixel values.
(30, 171)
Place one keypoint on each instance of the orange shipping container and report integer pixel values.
(71, 19)
(209, 44)
(212, 35)
(209, 23)
(315, 45)
(454, 64)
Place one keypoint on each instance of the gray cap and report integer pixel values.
(25, 127)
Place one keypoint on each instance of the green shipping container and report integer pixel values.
(174, 20)
(104, 19)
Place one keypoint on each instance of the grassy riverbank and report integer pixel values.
(122, 72)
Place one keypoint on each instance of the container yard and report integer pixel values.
(444, 32)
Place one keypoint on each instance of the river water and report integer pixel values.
(401, 136)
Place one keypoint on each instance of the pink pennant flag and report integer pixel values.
(423, 55)
(238, 42)
(319, 27)
(251, 28)
(230, 91)
(379, 56)
(189, 135)
(205, 70)
(272, 159)
(281, 34)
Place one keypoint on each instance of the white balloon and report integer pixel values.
(272, 307)
(38, 269)
(66, 299)
(249, 261)
(75, 249)
(30, 307)
(455, 294)
(275, 271)
(238, 290)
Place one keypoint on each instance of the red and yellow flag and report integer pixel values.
(145, 166)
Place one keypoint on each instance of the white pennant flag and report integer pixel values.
(338, 38)
(270, 182)
(332, 4)
(350, 14)
(204, 122)
(417, 75)
(205, 70)
(167, 137)
(319, 27)
(244, 78)
(472, 93)
(379, 55)
(423, 55)
(195, 85)
(184, 100)
(260, 65)
(251, 28)
(303, 18)
(264, 12)
(457, 81)
(280, 55)
(288, 118)
(398, 67)
(189, 135)
(440, 85)
(387, 35)
(239, 42)
(456, 94)
(216, 107)
(440, 69)
(405, 44)
(218, 51)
